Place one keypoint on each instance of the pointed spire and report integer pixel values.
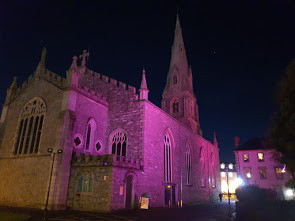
(41, 66)
(143, 81)
(215, 139)
(178, 55)
(143, 91)
(43, 56)
(14, 83)
(74, 63)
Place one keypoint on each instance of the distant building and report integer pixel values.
(228, 171)
(256, 164)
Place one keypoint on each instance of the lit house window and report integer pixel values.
(247, 173)
(30, 127)
(230, 166)
(119, 143)
(222, 174)
(246, 157)
(260, 157)
(230, 174)
(262, 173)
(279, 173)
(222, 166)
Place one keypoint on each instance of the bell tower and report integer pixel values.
(178, 98)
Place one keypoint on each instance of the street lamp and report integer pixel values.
(50, 150)
(228, 194)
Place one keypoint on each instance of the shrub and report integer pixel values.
(254, 194)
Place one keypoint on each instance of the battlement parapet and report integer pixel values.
(92, 95)
(106, 160)
(95, 77)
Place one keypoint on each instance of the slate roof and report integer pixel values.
(256, 144)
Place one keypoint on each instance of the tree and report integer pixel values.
(283, 127)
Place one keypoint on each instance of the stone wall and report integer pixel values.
(24, 181)
(109, 173)
(28, 180)
(156, 123)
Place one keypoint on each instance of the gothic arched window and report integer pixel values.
(188, 164)
(30, 127)
(175, 107)
(119, 142)
(90, 130)
(167, 159)
(212, 171)
(174, 79)
(202, 167)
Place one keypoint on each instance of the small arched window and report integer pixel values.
(90, 130)
(167, 158)
(174, 80)
(30, 127)
(188, 165)
(119, 142)
(175, 107)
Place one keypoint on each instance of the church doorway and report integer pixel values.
(129, 185)
(169, 195)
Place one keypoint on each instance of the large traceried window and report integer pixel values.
(188, 164)
(30, 127)
(167, 159)
(90, 131)
(119, 143)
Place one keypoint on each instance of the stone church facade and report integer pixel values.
(89, 142)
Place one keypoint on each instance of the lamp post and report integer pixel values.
(50, 150)
(228, 194)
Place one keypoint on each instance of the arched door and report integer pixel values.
(129, 184)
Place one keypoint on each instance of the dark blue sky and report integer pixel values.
(238, 51)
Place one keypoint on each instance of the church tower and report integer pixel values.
(178, 98)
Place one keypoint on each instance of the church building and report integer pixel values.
(89, 142)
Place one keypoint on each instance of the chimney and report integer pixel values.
(237, 141)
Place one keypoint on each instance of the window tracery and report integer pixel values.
(119, 143)
(30, 127)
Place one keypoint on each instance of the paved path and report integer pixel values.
(198, 212)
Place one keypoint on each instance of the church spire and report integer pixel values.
(143, 91)
(178, 53)
(178, 98)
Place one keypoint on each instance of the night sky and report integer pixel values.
(238, 51)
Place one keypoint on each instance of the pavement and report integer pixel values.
(193, 212)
